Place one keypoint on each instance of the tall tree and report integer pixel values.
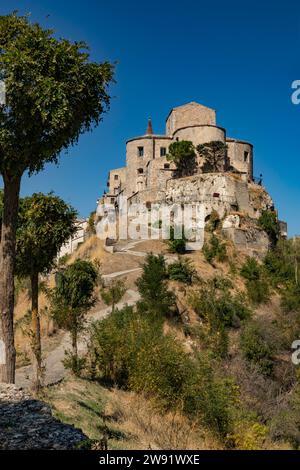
(152, 285)
(53, 94)
(183, 154)
(214, 154)
(45, 223)
(72, 297)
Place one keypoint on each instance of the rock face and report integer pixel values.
(27, 423)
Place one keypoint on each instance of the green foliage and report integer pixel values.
(53, 94)
(131, 351)
(183, 154)
(182, 271)
(176, 245)
(217, 310)
(75, 286)
(251, 270)
(45, 223)
(290, 298)
(71, 299)
(257, 285)
(281, 263)
(113, 293)
(91, 223)
(256, 348)
(214, 221)
(74, 363)
(269, 223)
(214, 249)
(156, 299)
(214, 155)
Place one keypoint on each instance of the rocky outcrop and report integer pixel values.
(27, 423)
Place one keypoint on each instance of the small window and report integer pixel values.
(140, 151)
(246, 156)
(166, 166)
(140, 171)
(163, 151)
(116, 177)
(112, 200)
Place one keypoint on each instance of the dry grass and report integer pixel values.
(133, 421)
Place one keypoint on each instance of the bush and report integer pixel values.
(256, 349)
(214, 249)
(74, 363)
(251, 270)
(219, 308)
(182, 271)
(214, 221)
(131, 351)
(290, 298)
(269, 223)
(257, 285)
(176, 245)
(279, 263)
(218, 311)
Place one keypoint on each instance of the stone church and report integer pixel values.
(149, 177)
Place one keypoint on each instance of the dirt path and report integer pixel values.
(54, 368)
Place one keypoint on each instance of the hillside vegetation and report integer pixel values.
(203, 360)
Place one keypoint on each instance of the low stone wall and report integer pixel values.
(27, 423)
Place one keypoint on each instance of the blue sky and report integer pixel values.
(237, 57)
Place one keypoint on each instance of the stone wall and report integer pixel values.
(189, 114)
(240, 155)
(218, 191)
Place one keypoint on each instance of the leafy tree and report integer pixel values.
(269, 223)
(53, 95)
(71, 299)
(214, 154)
(45, 223)
(183, 154)
(156, 299)
(112, 294)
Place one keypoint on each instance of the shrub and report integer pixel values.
(251, 270)
(131, 351)
(182, 271)
(214, 249)
(290, 297)
(218, 311)
(257, 285)
(269, 223)
(214, 221)
(176, 245)
(152, 286)
(256, 349)
(279, 263)
(219, 308)
(113, 293)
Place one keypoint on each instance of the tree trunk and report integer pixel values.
(36, 331)
(7, 264)
(74, 342)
